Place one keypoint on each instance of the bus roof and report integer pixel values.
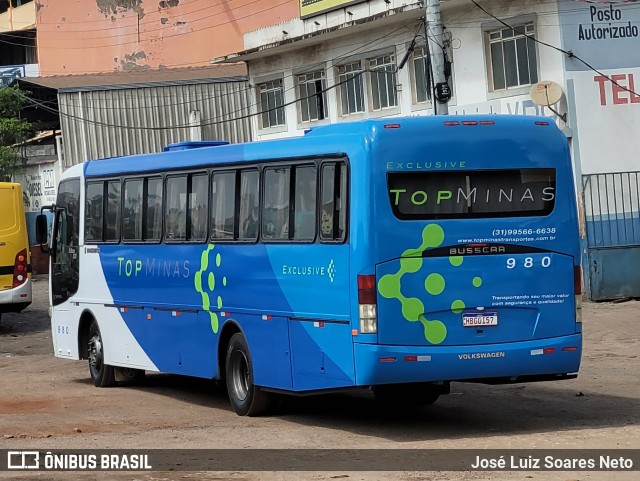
(343, 138)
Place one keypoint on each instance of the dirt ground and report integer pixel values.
(49, 403)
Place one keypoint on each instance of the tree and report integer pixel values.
(13, 131)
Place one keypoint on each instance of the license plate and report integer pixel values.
(477, 319)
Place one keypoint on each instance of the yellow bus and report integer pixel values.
(15, 262)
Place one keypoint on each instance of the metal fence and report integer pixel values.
(612, 209)
(102, 122)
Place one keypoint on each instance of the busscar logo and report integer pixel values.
(23, 460)
(475, 250)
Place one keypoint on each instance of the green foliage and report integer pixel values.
(13, 131)
(10, 163)
(11, 101)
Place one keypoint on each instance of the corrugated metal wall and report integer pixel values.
(107, 122)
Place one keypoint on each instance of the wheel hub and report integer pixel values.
(95, 352)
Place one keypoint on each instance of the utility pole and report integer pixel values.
(435, 43)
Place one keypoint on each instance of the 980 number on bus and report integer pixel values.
(528, 262)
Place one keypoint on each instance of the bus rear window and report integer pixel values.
(472, 194)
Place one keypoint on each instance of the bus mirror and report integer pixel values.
(41, 229)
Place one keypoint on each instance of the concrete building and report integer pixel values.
(97, 36)
(337, 61)
(18, 54)
(125, 113)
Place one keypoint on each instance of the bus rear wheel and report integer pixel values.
(102, 374)
(246, 398)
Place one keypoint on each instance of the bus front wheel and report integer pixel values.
(246, 398)
(102, 374)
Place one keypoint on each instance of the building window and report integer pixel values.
(383, 82)
(351, 88)
(312, 97)
(421, 79)
(271, 104)
(512, 57)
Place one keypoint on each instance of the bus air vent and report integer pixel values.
(194, 145)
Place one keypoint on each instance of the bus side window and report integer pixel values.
(153, 213)
(305, 203)
(275, 210)
(113, 211)
(249, 195)
(198, 207)
(93, 212)
(223, 202)
(132, 213)
(176, 208)
(333, 223)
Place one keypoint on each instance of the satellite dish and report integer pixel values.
(546, 93)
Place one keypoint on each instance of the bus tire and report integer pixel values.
(246, 398)
(102, 374)
(408, 395)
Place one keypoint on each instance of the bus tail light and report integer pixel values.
(577, 290)
(367, 308)
(20, 268)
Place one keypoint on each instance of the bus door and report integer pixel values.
(65, 264)
(473, 259)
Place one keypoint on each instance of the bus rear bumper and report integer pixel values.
(15, 300)
(543, 358)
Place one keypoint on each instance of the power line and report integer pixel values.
(242, 117)
(308, 69)
(213, 122)
(568, 53)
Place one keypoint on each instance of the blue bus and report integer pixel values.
(396, 255)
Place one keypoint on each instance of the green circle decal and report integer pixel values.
(457, 306)
(456, 261)
(434, 284)
(209, 275)
(434, 331)
(413, 308)
(432, 236)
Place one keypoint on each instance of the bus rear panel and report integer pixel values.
(476, 254)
